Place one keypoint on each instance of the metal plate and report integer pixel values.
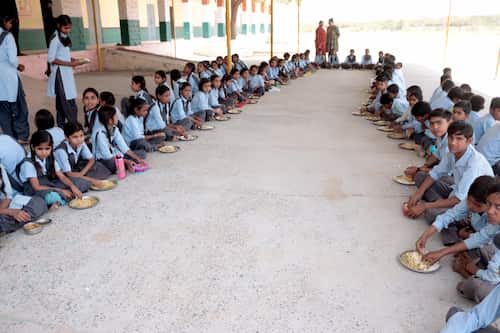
(372, 118)
(206, 127)
(169, 149)
(381, 123)
(397, 136)
(431, 269)
(43, 221)
(111, 185)
(403, 180)
(222, 118)
(357, 114)
(75, 202)
(36, 230)
(385, 129)
(234, 111)
(409, 146)
(190, 138)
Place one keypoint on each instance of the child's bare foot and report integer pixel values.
(54, 206)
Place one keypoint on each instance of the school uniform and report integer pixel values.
(106, 146)
(26, 170)
(471, 165)
(256, 84)
(13, 106)
(74, 160)
(34, 206)
(219, 72)
(11, 153)
(91, 117)
(489, 146)
(240, 65)
(437, 94)
(405, 117)
(233, 88)
(476, 320)
(399, 106)
(205, 75)
(366, 62)
(481, 125)
(473, 116)
(350, 62)
(243, 85)
(375, 104)
(180, 113)
(171, 91)
(157, 120)
(57, 135)
(441, 147)
(272, 73)
(334, 61)
(200, 104)
(133, 133)
(444, 102)
(62, 82)
(380, 61)
(213, 99)
(194, 81)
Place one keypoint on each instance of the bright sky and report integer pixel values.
(373, 10)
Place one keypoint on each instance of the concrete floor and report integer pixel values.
(284, 219)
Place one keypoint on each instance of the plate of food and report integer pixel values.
(403, 180)
(386, 129)
(169, 149)
(381, 123)
(84, 203)
(358, 113)
(222, 118)
(206, 127)
(84, 61)
(373, 118)
(43, 220)
(409, 146)
(397, 136)
(32, 228)
(412, 260)
(189, 138)
(106, 185)
(234, 111)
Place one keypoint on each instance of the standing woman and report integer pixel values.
(332, 37)
(62, 80)
(320, 44)
(13, 107)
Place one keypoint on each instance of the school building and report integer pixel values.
(131, 22)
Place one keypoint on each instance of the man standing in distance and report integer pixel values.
(332, 35)
(320, 44)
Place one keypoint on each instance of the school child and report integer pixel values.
(256, 83)
(302, 63)
(381, 87)
(384, 111)
(134, 130)
(203, 70)
(310, 65)
(417, 127)
(479, 282)
(461, 111)
(13, 106)
(413, 96)
(436, 194)
(482, 124)
(350, 61)
(222, 62)
(44, 120)
(263, 73)
(479, 318)
(108, 142)
(466, 217)
(160, 118)
(333, 59)
(216, 69)
(189, 76)
(41, 175)
(439, 121)
(11, 154)
(447, 102)
(182, 113)
(237, 62)
(243, 81)
(442, 89)
(366, 60)
(138, 86)
(273, 72)
(477, 104)
(17, 209)
(296, 64)
(106, 98)
(61, 79)
(233, 87)
(466, 88)
(90, 99)
(489, 146)
(399, 104)
(224, 97)
(214, 100)
(75, 158)
(284, 72)
(380, 61)
(201, 101)
(160, 78)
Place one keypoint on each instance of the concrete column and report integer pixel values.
(220, 18)
(72, 8)
(253, 19)
(129, 22)
(244, 18)
(164, 16)
(187, 18)
(207, 18)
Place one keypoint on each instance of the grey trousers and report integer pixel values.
(186, 123)
(36, 207)
(7, 111)
(441, 189)
(489, 329)
(475, 288)
(66, 109)
(20, 121)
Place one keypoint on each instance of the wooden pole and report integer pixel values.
(97, 41)
(272, 28)
(498, 65)
(228, 36)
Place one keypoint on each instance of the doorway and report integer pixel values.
(49, 24)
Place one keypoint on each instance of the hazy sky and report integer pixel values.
(371, 10)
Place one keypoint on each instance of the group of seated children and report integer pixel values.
(63, 163)
(458, 188)
(350, 62)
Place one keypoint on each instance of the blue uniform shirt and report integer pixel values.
(180, 109)
(133, 129)
(457, 213)
(442, 147)
(200, 102)
(481, 125)
(57, 135)
(11, 153)
(489, 145)
(104, 148)
(157, 117)
(213, 100)
(62, 157)
(470, 166)
(18, 201)
(28, 169)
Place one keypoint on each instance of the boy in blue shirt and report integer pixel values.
(436, 194)
(489, 146)
(482, 124)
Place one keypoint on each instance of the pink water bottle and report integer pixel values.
(120, 167)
